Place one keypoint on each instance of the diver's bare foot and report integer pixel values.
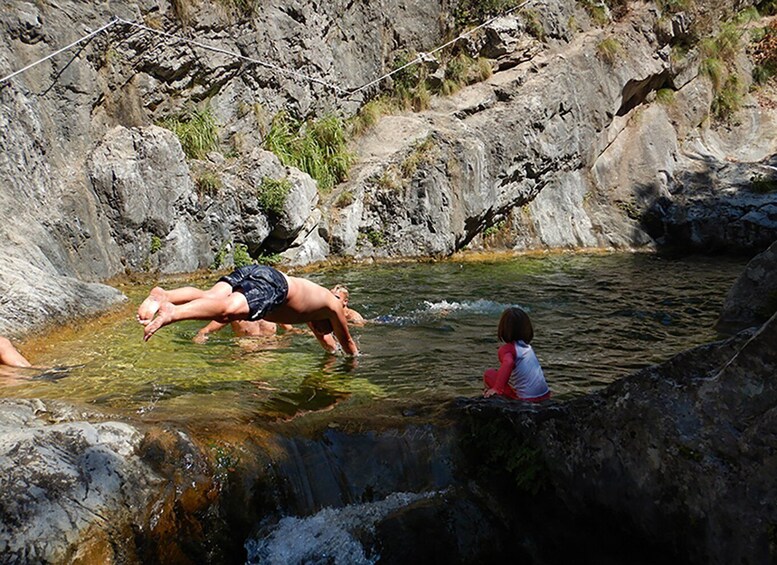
(150, 305)
(164, 316)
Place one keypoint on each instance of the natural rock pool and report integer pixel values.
(432, 331)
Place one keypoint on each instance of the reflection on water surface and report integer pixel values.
(432, 332)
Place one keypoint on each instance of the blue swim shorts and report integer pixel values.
(264, 288)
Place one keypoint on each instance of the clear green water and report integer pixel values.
(432, 333)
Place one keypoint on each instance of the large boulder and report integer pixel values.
(676, 461)
(753, 298)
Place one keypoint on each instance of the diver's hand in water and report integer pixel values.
(200, 338)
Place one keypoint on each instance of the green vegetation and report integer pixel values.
(764, 54)
(369, 114)
(763, 184)
(375, 237)
(269, 259)
(728, 99)
(596, 11)
(493, 231)
(156, 244)
(673, 6)
(608, 50)
(409, 87)
(208, 183)
(422, 152)
(719, 64)
(317, 147)
(197, 131)
(533, 24)
(272, 195)
(240, 255)
(474, 12)
(244, 9)
(497, 448)
(665, 96)
(219, 259)
(345, 198)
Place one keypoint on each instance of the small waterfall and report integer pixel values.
(361, 497)
(332, 536)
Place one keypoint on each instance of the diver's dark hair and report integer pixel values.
(515, 325)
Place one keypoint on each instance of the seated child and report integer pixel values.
(519, 375)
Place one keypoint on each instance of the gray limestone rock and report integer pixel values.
(62, 479)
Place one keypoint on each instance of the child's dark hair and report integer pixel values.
(515, 325)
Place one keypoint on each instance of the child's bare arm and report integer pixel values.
(506, 366)
(340, 327)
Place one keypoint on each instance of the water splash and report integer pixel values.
(433, 311)
(331, 536)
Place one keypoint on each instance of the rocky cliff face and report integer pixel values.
(564, 146)
(92, 189)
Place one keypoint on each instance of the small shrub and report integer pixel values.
(197, 131)
(369, 114)
(715, 70)
(484, 70)
(240, 255)
(492, 231)
(729, 99)
(156, 244)
(608, 50)
(725, 45)
(389, 179)
(409, 88)
(457, 69)
(746, 16)
(208, 183)
(272, 195)
(318, 147)
(597, 12)
(244, 9)
(764, 54)
(673, 6)
(375, 237)
(472, 12)
(269, 259)
(421, 153)
(533, 24)
(420, 97)
(763, 184)
(219, 259)
(345, 198)
(665, 96)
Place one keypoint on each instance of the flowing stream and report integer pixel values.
(431, 332)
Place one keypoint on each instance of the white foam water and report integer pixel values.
(328, 537)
